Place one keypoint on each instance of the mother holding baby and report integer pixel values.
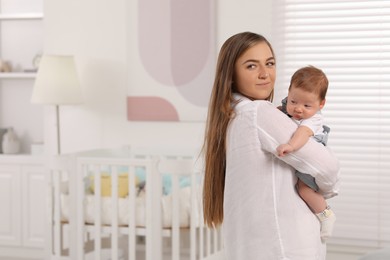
(248, 189)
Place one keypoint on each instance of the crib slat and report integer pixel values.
(98, 219)
(153, 212)
(220, 245)
(193, 216)
(201, 236)
(114, 220)
(49, 251)
(215, 240)
(79, 202)
(208, 242)
(57, 213)
(132, 209)
(175, 217)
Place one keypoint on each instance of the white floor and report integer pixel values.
(330, 256)
(12, 258)
(341, 256)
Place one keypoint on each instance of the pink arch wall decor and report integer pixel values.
(171, 54)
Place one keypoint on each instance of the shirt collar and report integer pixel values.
(240, 99)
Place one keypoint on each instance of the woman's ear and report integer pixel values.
(322, 104)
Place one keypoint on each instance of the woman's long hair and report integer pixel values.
(220, 112)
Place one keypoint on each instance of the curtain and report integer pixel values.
(350, 42)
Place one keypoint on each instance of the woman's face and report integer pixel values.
(254, 72)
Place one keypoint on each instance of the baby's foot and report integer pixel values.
(327, 219)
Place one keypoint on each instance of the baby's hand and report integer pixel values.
(284, 149)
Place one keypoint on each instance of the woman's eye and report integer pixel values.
(271, 64)
(251, 66)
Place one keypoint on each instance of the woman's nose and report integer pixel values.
(263, 74)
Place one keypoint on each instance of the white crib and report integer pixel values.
(144, 222)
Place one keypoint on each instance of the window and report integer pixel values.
(350, 42)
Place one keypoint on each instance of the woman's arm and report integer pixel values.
(275, 128)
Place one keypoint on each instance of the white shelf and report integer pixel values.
(21, 158)
(22, 16)
(22, 25)
(18, 75)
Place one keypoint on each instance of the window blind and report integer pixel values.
(350, 42)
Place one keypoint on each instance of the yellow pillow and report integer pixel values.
(105, 184)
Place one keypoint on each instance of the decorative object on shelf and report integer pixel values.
(36, 60)
(10, 143)
(57, 84)
(2, 132)
(5, 66)
(35, 63)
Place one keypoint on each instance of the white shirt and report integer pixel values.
(314, 123)
(264, 218)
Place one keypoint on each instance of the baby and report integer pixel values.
(306, 98)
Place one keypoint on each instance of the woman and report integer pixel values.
(247, 186)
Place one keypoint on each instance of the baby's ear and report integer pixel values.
(322, 104)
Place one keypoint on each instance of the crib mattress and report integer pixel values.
(140, 211)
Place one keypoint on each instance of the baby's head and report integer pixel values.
(307, 92)
(310, 79)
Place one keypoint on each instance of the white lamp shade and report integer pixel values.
(57, 81)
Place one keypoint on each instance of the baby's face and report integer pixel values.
(302, 104)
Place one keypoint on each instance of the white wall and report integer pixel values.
(95, 32)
